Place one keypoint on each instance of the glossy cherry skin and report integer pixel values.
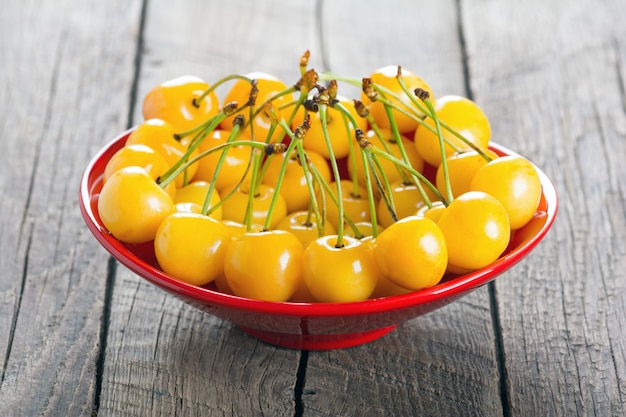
(294, 188)
(132, 206)
(477, 230)
(304, 227)
(264, 265)
(340, 131)
(514, 182)
(140, 156)
(461, 170)
(386, 77)
(412, 253)
(462, 115)
(234, 207)
(192, 247)
(407, 201)
(160, 135)
(178, 101)
(234, 166)
(268, 87)
(335, 275)
(392, 171)
(195, 192)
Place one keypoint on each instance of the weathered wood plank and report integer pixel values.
(552, 75)
(67, 69)
(444, 362)
(165, 357)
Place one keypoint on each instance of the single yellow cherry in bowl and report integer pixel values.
(459, 113)
(192, 247)
(386, 77)
(182, 102)
(132, 206)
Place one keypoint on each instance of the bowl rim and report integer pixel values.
(440, 292)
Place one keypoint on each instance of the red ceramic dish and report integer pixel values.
(303, 325)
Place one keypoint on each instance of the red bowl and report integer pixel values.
(303, 325)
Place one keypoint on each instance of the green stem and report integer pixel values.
(351, 157)
(234, 189)
(325, 188)
(220, 82)
(320, 220)
(405, 157)
(327, 76)
(196, 158)
(335, 169)
(169, 176)
(411, 170)
(279, 184)
(348, 117)
(442, 149)
(296, 103)
(218, 167)
(370, 194)
(383, 140)
(256, 160)
(449, 128)
(384, 188)
(259, 109)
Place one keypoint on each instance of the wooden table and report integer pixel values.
(80, 335)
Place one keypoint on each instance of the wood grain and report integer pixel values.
(556, 94)
(68, 67)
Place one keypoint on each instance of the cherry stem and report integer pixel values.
(454, 132)
(442, 148)
(304, 61)
(209, 151)
(411, 170)
(370, 192)
(304, 163)
(256, 161)
(333, 162)
(385, 187)
(323, 186)
(260, 108)
(352, 157)
(218, 167)
(234, 189)
(387, 199)
(169, 176)
(327, 76)
(409, 113)
(405, 157)
(366, 170)
(297, 104)
(217, 84)
(320, 219)
(279, 181)
(384, 141)
(348, 120)
(327, 189)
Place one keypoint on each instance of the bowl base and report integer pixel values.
(318, 341)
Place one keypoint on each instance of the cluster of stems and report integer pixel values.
(316, 97)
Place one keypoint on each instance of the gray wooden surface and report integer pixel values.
(81, 335)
